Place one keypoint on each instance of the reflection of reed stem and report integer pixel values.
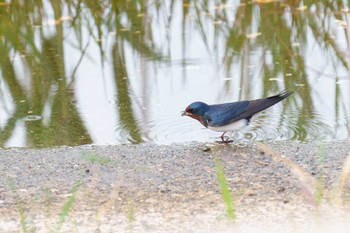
(126, 115)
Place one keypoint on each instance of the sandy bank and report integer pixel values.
(152, 188)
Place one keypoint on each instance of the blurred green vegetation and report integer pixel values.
(36, 31)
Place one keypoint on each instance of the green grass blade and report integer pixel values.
(225, 192)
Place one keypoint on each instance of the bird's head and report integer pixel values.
(197, 111)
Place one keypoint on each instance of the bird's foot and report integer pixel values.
(224, 140)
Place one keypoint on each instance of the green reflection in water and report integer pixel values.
(65, 126)
(124, 102)
(263, 29)
(44, 65)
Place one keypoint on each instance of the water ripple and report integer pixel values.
(269, 127)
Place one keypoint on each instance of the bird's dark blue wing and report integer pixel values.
(222, 114)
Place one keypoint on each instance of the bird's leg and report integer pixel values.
(222, 136)
(225, 139)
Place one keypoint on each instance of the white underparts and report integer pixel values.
(237, 125)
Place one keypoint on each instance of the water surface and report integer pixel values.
(85, 72)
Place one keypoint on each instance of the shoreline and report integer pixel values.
(154, 188)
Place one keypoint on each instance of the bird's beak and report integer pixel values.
(184, 113)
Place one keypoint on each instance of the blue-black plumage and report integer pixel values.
(230, 116)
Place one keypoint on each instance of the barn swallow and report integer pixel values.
(230, 116)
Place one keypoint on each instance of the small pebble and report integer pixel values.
(280, 190)
(206, 149)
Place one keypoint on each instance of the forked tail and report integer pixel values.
(258, 105)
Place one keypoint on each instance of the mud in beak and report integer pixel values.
(184, 113)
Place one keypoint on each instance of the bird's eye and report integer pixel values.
(192, 110)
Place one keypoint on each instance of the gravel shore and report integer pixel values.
(286, 186)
